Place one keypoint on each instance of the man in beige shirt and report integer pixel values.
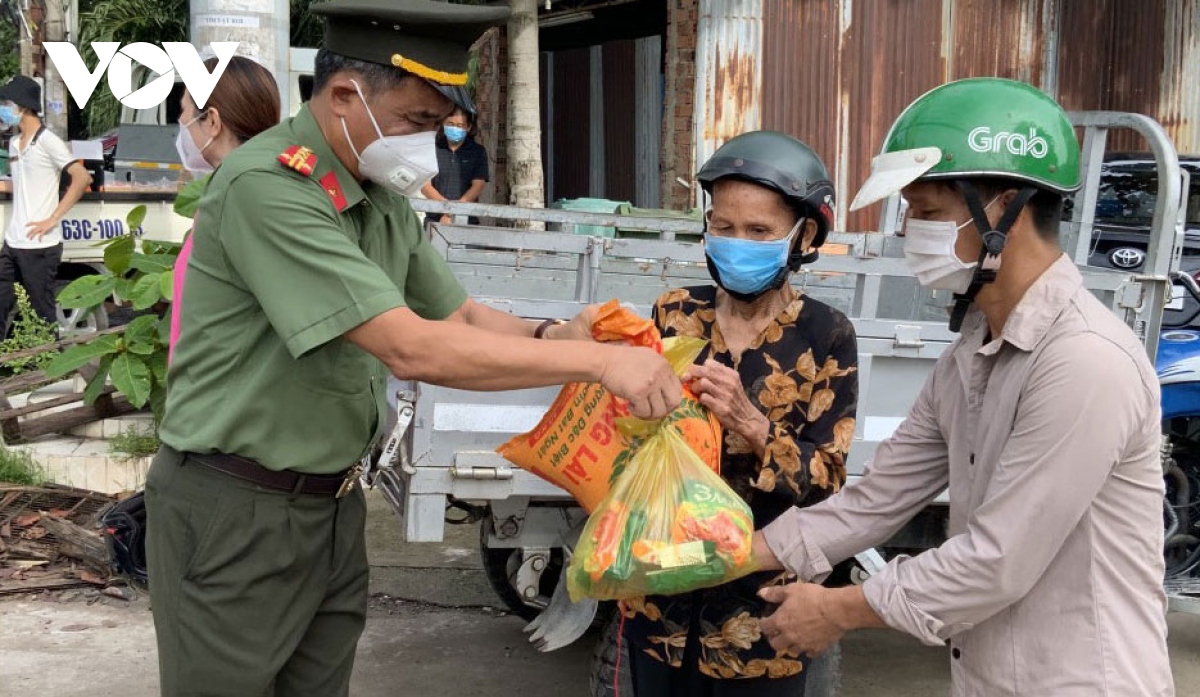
(1042, 420)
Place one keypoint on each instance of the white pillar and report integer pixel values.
(261, 28)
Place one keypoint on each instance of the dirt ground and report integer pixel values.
(434, 629)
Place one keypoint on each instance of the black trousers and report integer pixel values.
(653, 678)
(36, 270)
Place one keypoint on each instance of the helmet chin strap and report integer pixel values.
(993, 238)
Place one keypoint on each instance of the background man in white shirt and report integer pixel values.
(33, 240)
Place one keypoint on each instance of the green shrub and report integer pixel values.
(29, 331)
(19, 467)
(133, 442)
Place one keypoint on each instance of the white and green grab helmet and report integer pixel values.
(979, 127)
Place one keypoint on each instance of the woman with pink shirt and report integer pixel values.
(244, 103)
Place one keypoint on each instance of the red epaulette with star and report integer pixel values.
(299, 158)
(333, 187)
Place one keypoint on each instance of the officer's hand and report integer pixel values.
(578, 329)
(38, 229)
(644, 378)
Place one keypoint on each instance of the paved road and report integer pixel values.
(433, 630)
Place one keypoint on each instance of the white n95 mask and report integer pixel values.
(404, 164)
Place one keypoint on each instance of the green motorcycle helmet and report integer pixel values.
(779, 162)
(978, 127)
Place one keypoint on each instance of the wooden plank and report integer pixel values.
(77, 542)
(37, 584)
(57, 345)
(26, 381)
(105, 408)
(24, 550)
(9, 427)
(34, 408)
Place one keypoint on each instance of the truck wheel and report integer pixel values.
(501, 564)
(824, 673)
(605, 667)
(79, 321)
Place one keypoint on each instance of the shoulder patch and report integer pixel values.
(299, 158)
(333, 187)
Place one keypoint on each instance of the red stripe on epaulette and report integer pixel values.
(333, 187)
(300, 159)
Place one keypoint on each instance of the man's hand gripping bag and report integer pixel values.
(577, 445)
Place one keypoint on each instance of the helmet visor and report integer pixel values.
(459, 95)
(892, 171)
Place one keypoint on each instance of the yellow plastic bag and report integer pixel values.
(577, 444)
(668, 525)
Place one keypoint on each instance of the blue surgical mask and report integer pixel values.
(9, 115)
(454, 134)
(748, 267)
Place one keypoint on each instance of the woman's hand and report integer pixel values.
(720, 389)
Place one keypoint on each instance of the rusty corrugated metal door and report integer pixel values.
(648, 105)
(619, 120)
(888, 53)
(802, 67)
(728, 55)
(997, 39)
(836, 73)
(572, 121)
(1111, 58)
(1179, 91)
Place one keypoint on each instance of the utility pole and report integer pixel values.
(54, 91)
(14, 10)
(262, 29)
(31, 31)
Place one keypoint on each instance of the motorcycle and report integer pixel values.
(1178, 367)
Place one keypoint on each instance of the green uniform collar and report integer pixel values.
(309, 134)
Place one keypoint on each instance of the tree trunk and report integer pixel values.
(524, 111)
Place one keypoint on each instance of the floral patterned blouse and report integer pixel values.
(801, 372)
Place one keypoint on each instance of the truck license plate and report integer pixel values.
(102, 229)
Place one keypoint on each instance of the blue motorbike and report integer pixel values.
(1178, 366)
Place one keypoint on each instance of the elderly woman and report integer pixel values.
(780, 374)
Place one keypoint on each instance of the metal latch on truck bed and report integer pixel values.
(501, 472)
(908, 336)
(384, 465)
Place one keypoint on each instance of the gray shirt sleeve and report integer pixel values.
(908, 472)
(1053, 465)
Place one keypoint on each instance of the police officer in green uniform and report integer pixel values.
(309, 279)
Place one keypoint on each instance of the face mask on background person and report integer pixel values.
(191, 156)
(9, 115)
(403, 164)
(748, 266)
(929, 253)
(454, 134)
